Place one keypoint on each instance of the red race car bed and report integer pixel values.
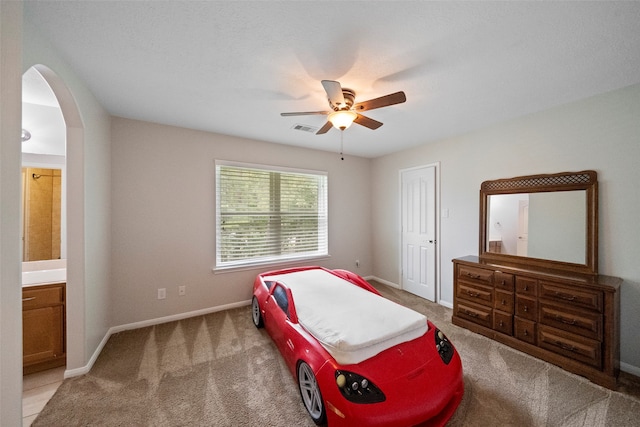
(358, 358)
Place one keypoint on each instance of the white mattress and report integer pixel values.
(351, 323)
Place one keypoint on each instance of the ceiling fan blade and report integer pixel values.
(305, 113)
(383, 101)
(325, 128)
(334, 92)
(367, 122)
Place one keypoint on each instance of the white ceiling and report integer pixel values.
(232, 66)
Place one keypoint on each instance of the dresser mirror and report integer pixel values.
(544, 220)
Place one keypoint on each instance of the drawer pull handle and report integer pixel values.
(526, 309)
(473, 294)
(567, 321)
(473, 276)
(565, 346)
(565, 296)
(471, 313)
(526, 333)
(504, 302)
(501, 323)
(28, 299)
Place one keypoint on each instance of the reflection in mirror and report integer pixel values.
(547, 225)
(549, 221)
(41, 196)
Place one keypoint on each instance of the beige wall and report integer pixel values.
(10, 256)
(164, 216)
(600, 133)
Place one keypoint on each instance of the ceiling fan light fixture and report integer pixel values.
(346, 111)
(342, 119)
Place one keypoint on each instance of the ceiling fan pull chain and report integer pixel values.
(341, 144)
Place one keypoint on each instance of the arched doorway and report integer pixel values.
(74, 135)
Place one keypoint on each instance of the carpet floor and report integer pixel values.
(219, 370)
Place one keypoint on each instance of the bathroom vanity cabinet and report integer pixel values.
(43, 327)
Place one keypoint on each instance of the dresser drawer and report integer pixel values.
(42, 296)
(581, 322)
(475, 292)
(526, 286)
(526, 307)
(473, 312)
(570, 345)
(586, 298)
(503, 322)
(503, 281)
(503, 301)
(525, 330)
(478, 274)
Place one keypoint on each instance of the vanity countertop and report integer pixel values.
(43, 277)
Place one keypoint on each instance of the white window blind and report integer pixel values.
(266, 214)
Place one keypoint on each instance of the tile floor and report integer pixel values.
(37, 389)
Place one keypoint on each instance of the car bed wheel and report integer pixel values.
(255, 313)
(310, 393)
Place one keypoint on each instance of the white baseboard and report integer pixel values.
(151, 322)
(630, 369)
(86, 368)
(446, 304)
(384, 282)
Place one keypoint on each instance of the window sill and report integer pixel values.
(273, 265)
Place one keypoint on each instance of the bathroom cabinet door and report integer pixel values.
(43, 331)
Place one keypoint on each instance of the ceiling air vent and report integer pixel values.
(305, 128)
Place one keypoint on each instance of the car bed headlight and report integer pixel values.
(357, 389)
(444, 347)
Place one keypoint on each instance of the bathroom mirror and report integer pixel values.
(42, 213)
(544, 220)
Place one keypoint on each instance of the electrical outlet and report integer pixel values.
(162, 293)
(182, 290)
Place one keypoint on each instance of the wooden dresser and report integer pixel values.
(569, 319)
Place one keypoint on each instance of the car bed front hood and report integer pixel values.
(406, 360)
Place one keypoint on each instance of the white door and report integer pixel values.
(419, 231)
(523, 228)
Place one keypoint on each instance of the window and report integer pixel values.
(267, 214)
(280, 296)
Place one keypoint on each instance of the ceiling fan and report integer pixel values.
(344, 109)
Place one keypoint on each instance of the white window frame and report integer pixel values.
(323, 219)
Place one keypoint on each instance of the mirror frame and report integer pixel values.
(564, 181)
